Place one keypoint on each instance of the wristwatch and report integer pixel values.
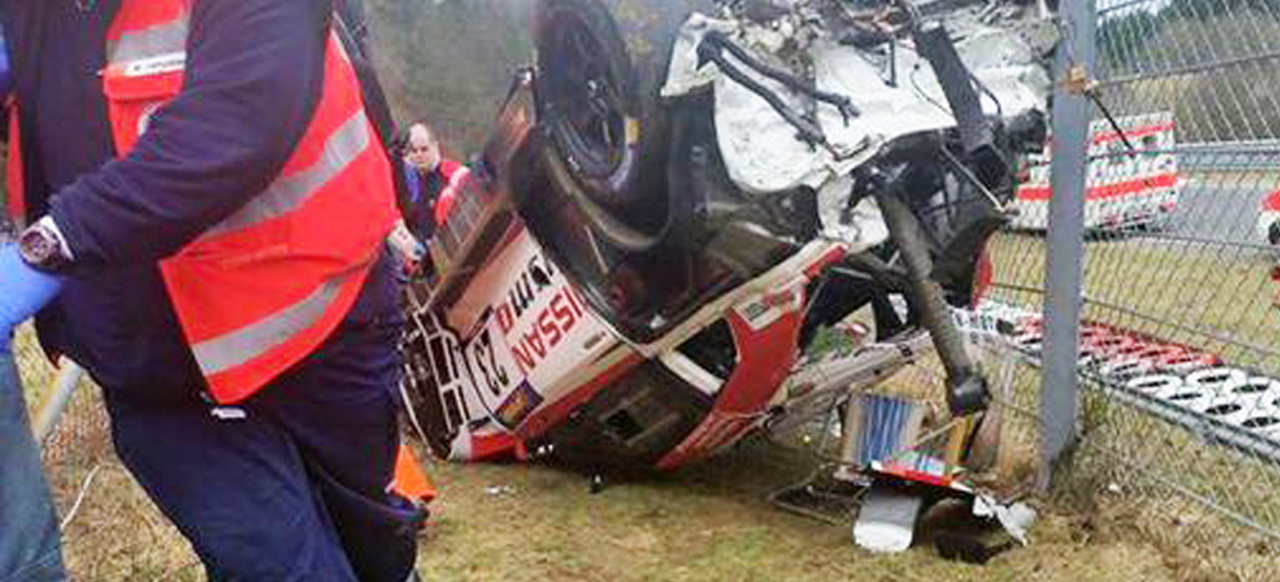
(40, 246)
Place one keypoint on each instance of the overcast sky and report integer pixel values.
(1117, 8)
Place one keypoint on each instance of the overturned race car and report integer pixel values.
(678, 195)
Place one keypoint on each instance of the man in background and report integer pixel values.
(433, 181)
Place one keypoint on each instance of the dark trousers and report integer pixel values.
(291, 485)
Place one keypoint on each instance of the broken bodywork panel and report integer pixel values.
(674, 201)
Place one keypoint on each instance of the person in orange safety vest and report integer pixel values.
(433, 181)
(206, 188)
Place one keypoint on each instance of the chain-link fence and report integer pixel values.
(110, 529)
(1179, 363)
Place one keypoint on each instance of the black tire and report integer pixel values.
(601, 65)
(1273, 233)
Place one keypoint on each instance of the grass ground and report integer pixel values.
(1216, 298)
(708, 522)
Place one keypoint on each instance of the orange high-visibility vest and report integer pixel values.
(264, 288)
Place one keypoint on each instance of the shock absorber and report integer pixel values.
(966, 388)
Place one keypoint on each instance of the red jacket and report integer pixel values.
(431, 196)
(453, 175)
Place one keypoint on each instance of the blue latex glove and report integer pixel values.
(23, 291)
(6, 68)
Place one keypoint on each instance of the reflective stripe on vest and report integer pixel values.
(287, 193)
(223, 353)
(258, 292)
(159, 40)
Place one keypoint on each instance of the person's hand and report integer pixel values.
(23, 291)
(410, 248)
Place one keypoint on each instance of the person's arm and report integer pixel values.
(253, 79)
(449, 194)
(412, 182)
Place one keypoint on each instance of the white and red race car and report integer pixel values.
(1269, 219)
(679, 195)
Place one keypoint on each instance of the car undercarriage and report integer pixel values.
(714, 183)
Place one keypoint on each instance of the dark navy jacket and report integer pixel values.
(253, 79)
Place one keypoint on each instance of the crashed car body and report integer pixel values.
(660, 222)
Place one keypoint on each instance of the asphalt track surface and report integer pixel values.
(1222, 209)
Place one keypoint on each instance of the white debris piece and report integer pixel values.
(1015, 518)
(861, 227)
(887, 520)
(684, 76)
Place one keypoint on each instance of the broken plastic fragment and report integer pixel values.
(1015, 518)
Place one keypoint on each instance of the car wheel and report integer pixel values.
(1273, 233)
(600, 68)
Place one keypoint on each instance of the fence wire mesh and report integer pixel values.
(1180, 418)
(110, 529)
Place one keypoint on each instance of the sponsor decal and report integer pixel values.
(763, 310)
(535, 278)
(752, 312)
(518, 405)
(156, 65)
(538, 314)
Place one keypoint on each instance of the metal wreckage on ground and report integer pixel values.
(678, 195)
